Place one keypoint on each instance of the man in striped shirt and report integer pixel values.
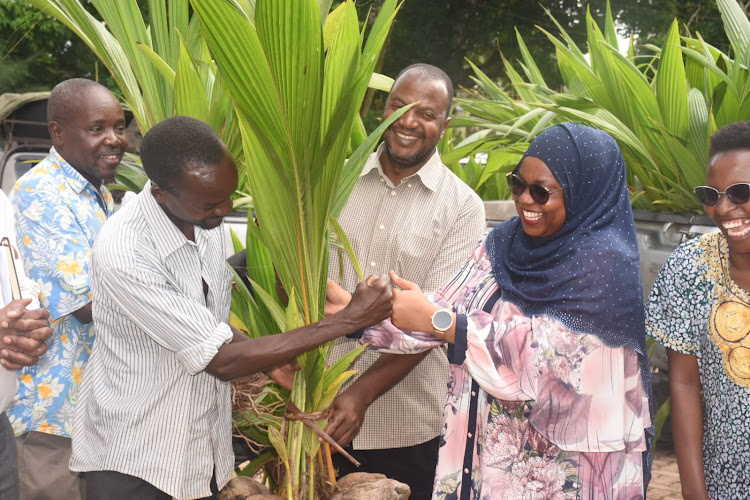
(154, 419)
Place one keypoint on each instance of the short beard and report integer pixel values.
(404, 162)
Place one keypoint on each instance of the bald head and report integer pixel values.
(67, 97)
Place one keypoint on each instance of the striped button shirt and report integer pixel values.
(147, 407)
(424, 228)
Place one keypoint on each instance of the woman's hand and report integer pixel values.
(411, 309)
(336, 298)
(284, 374)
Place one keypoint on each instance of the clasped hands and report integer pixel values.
(409, 307)
(23, 334)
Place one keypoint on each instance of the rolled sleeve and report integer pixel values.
(195, 358)
(385, 337)
(166, 315)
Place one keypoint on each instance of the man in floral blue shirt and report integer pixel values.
(60, 206)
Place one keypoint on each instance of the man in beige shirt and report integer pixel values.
(408, 213)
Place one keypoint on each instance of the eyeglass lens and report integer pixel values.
(518, 186)
(739, 194)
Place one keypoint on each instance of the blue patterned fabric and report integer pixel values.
(58, 214)
(586, 275)
(690, 287)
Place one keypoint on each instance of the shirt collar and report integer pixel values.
(430, 173)
(168, 238)
(77, 182)
(73, 177)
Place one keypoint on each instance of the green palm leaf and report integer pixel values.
(671, 85)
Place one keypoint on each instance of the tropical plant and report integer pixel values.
(130, 175)
(297, 84)
(36, 51)
(660, 108)
(724, 81)
(484, 172)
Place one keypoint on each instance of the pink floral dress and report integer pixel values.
(533, 411)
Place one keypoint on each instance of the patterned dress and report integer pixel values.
(696, 308)
(532, 410)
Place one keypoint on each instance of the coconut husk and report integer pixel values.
(366, 486)
(239, 488)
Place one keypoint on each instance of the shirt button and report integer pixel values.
(473, 393)
(373, 264)
(466, 471)
(393, 193)
(382, 226)
(469, 435)
(409, 184)
(382, 180)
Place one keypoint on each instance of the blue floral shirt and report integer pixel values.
(58, 215)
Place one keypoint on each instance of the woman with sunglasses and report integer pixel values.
(699, 308)
(548, 390)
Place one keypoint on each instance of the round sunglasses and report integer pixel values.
(539, 194)
(739, 194)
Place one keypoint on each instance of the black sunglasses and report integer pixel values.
(739, 194)
(539, 194)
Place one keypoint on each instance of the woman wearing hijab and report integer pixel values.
(548, 391)
(699, 308)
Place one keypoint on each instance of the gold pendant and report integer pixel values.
(729, 325)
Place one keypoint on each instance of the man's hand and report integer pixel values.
(371, 302)
(347, 414)
(336, 298)
(23, 334)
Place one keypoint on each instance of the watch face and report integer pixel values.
(442, 320)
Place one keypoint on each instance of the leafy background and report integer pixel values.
(36, 52)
